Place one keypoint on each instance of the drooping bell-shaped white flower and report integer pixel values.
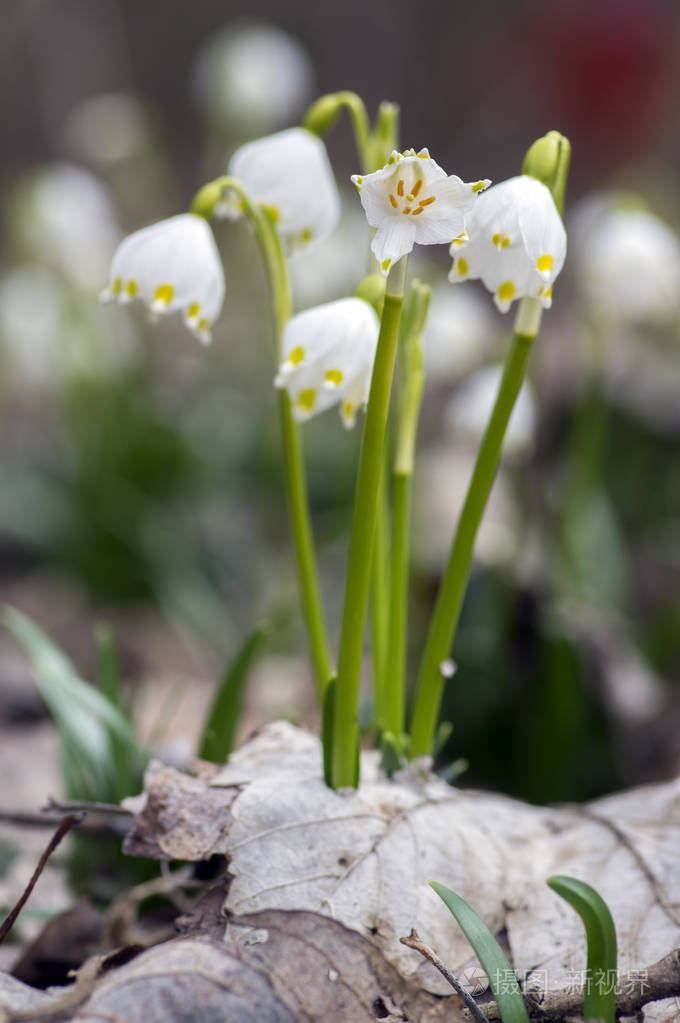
(172, 266)
(412, 200)
(289, 173)
(515, 242)
(328, 354)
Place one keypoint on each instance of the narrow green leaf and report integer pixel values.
(494, 963)
(600, 984)
(327, 713)
(219, 732)
(85, 718)
(127, 767)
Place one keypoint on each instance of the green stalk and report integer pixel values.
(296, 486)
(380, 597)
(345, 730)
(450, 598)
(411, 379)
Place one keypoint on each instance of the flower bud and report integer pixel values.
(548, 160)
(323, 114)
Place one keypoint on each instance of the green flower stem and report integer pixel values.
(411, 380)
(324, 111)
(298, 505)
(380, 596)
(450, 598)
(345, 731)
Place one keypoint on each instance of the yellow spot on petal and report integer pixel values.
(306, 399)
(348, 411)
(423, 155)
(400, 187)
(506, 292)
(394, 202)
(131, 289)
(386, 264)
(334, 377)
(391, 159)
(548, 293)
(203, 325)
(544, 263)
(505, 243)
(478, 186)
(360, 181)
(296, 356)
(193, 310)
(163, 293)
(117, 286)
(462, 266)
(426, 202)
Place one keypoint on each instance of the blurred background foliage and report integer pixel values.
(142, 473)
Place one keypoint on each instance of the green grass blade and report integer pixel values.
(600, 986)
(219, 732)
(85, 718)
(494, 963)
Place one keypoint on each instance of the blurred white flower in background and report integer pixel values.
(31, 310)
(329, 268)
(328, 354)
(459, 332)
(627, 260)
(468, 411)
(172, 266)
(252, 71)
(109, 128)
(64, 216)
(290, 173)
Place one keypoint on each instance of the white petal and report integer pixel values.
(290, 172)
(393, 239)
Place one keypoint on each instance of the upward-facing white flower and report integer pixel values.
(516, 242)
(328, 354)
(288, 172)
(171, 266)
(411, 199)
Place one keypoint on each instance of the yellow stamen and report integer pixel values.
(544, 263)
(400, 187)
(406, 209)
(394, 202)
(419, 210)
(334, 377)
(164, 294)
(306, 399)
(296, 356)
(416, 188)
(426, 202)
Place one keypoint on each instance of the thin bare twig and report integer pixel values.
(76, 806)
(413, 941)
(64, 827)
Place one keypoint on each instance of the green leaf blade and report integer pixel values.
(219, 732)
(600, 989)
(501, 976)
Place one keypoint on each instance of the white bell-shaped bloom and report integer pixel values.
(516, 243)
(412, 200)
(627, 260)
(172, 266)
(328, 354)
(289, 173)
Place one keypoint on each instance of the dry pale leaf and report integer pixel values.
(364, 857)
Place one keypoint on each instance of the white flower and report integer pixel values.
(252, 71)
(328, 354)
(628, 260)
(171, 266)
(516, 243)
(288, 172)
(413, 200)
